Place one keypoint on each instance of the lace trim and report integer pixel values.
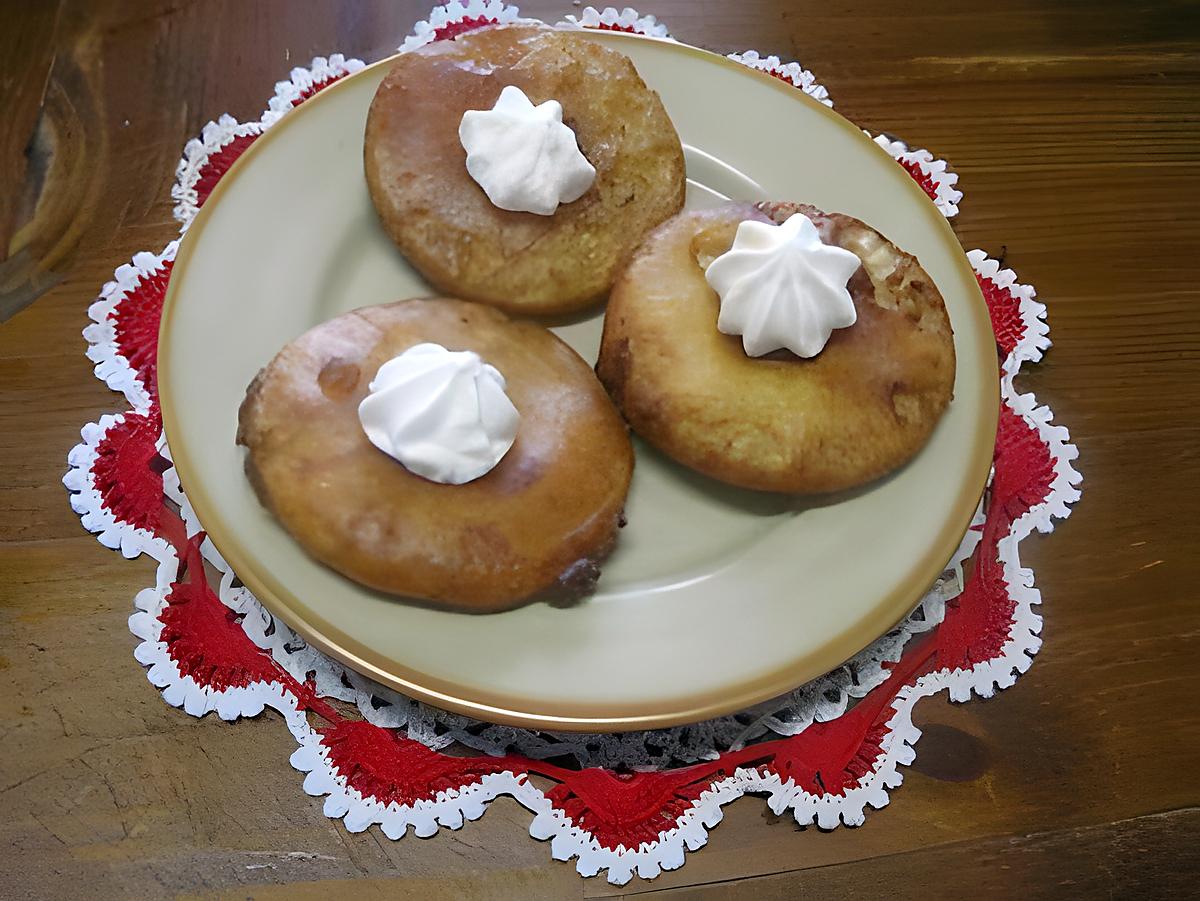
(793, 73)
(612, 19)
(304, 672)
(932, 174)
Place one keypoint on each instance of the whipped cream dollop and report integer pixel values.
(523, 156)
(782, 287)
(443, 414)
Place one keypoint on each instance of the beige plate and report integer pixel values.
(715, 598)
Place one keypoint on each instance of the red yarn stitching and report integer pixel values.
(205, 638)
(778, 73)
(316, 87)
(1004, 307)
(1024, 468)
(626, 809)
(123, 474)
(978, 621)
(920, 177)
(452, 30)
(135, 319)
(218, 164)
(394, 769)
(832, 757)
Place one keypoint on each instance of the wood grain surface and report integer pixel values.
(1076, 130)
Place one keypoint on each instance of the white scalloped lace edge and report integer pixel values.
(451, 809)
(112, 368)
(611, 17)
(793, 72)
(441, 16)
(946, 194)
(215, 135)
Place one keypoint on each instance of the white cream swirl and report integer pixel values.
(443, 414)
(523, 156)
(781, 287)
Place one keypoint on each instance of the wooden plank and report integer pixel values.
(27, 48)
(1155, 856)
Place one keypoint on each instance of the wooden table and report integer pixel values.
(1076, 131)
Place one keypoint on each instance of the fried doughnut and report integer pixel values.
(442, 220)
(859, 409)
(536, 525)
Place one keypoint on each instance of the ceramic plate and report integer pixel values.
(715, 598)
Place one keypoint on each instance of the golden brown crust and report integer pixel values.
(859, 409)
(442, 220)
(539, 521)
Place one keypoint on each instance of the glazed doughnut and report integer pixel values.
(443, 221)
(859, 409)
(538, 524)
